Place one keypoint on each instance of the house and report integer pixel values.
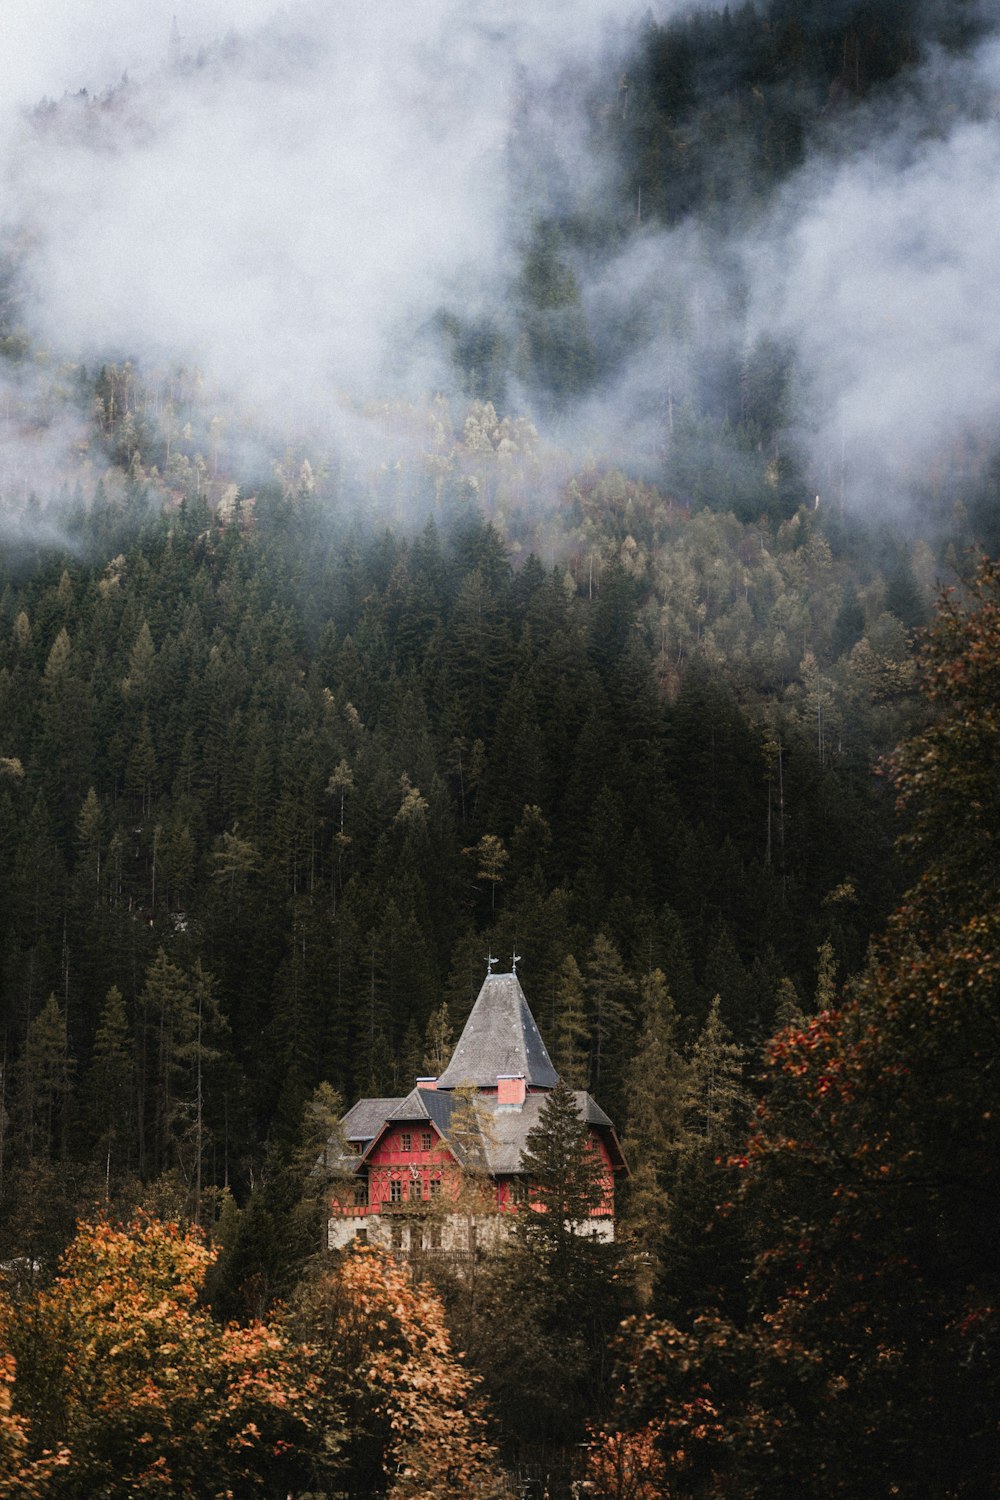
(441, 1168)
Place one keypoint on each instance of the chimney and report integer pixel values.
(510, 1091)
(427, 1083)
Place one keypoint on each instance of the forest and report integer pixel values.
(598, 651)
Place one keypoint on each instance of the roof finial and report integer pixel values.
(514, 961)
(489, 963)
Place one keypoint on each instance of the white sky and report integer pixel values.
(48, 47)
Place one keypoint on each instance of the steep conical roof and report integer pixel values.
(500, 1038)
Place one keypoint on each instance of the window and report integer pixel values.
(435, 1237)
(404, 1141)
(425, 1140)
(435, 1187)
(361, 1193)
(397, 1236)
(361, 1236)
(395, 1191)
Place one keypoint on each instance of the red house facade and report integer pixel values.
(441, 1168)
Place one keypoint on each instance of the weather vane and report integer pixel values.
(514, 961)
(490, 962)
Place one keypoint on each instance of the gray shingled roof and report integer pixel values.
(365, 1119)
(426, 1104)
(504, 1130)
(500, 1037)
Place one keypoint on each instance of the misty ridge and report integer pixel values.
(747, 254)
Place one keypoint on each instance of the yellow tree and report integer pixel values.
(121, 1371)
(492, 858)
(411, 1406)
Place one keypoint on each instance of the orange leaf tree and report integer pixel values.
(410, 1404)
(627, 1465)
(119, 1365)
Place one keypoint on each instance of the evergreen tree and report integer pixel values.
(826, 977)
(45, 1084)
(717, 1100)
(706, 1256)
(657, 1086)
(571, 1052)
(787, 1007)
(110, 1092)
(438, 1041)
(547, 1369)
(89, 832)
(608, 987)
(565, 1174)
(179, 1029)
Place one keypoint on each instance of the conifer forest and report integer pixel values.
(498, 485)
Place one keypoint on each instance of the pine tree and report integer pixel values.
(411, 1056)
(179, 1029)
(318, 1161)
(826, 977)
(547, 1369)
(341, 782)
(89, 832)
(566, 1177)
(717, 1100)
(657, 1085)
(110, 1091)
(491, 861)
(572, 1033)
(45, 1083)
(787, 1007)
(438, 1041)
(706, 1250)
(607, 988)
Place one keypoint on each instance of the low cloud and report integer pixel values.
(882, 270)
(291, 213)
(287, 197)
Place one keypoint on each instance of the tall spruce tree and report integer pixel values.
(706, 1249)
(110, 1092)
(571, 1051)
(657, 1086)
(547, 1368)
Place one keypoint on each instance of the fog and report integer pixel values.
(286, 196)
(883, 270)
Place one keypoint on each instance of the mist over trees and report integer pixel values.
(556, 571)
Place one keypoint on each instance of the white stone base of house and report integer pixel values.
(415, 1234)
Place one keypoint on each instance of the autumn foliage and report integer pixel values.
(117, 1382)
(125, 1386)
(867, 1189)
(21, 1474)
(627, 1465)
(415, 1425)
